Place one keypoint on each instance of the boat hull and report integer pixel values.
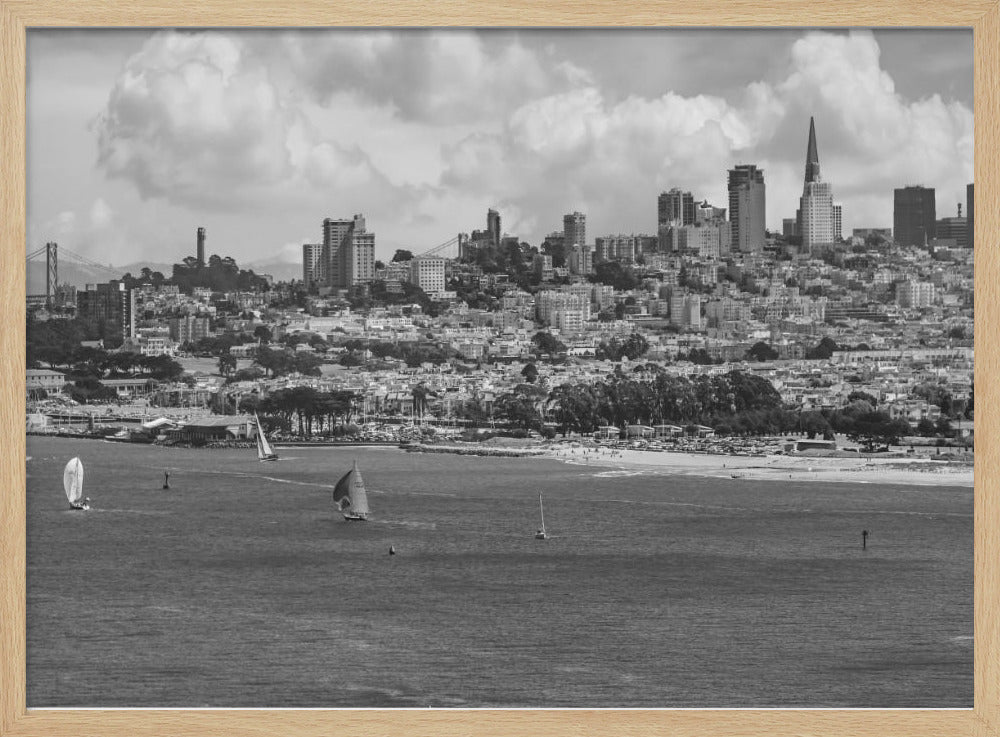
(356, 518)
(268, 458)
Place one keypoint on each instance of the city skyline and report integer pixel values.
(251, 135)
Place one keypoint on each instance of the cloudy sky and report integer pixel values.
(136, 138)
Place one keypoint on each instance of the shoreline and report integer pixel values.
(894, 470)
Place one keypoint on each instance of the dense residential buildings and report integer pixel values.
(706, 294)
(746, 208)
(914, 222)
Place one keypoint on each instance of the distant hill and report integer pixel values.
(280, 270)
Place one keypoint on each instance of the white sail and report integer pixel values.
(73, 480)
(264, 451)
(541, 511)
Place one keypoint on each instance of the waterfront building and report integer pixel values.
(746, 208)
(914, 222)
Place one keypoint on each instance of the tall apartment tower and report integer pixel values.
(816, 213)
(312, 264)
(574, 229)
(200, 253)
(838, 222)
(914, 220)
(970, 216)
(348, 256)
(493, 227)
(746, 208)
(357, 256)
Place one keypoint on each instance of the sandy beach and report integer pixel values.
(893, 470)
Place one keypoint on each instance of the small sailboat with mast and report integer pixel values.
(264, 451)
(541, 534)
(73, 485)
(351, 497)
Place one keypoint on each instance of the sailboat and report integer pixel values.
(350, 496)
(73, 485)
(264, 452)
(541, 535)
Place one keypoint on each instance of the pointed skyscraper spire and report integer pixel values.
(812, 155)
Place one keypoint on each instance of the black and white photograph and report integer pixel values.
(466, 368)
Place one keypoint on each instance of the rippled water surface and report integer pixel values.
(240, 586)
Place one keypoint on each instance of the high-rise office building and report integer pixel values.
(838, 222)
(574, 229)
(746, 208)
(108, 305)
(970, 216)
(914, 221)
(675, 208)
(493, 227)
(816, 209)
(955, 228)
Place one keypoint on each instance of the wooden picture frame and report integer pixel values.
(16, 16)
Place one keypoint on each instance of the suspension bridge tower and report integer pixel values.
(51, 272)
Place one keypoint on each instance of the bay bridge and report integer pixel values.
(51, 252)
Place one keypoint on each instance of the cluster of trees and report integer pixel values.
(220, 274)
(648, 397)
(631, 347)
(615, 274)
(281, 362)
(86, 367)
(219, 345)
(304, 410)
(377, 293)
(412, 354)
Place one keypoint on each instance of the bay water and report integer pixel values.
(242, 586)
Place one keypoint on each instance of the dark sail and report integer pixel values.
(349, 494)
